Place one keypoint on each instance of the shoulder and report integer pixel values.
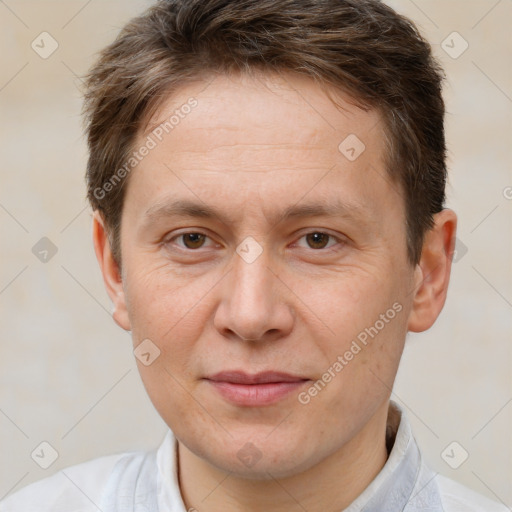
(76, 488)
(459, 498)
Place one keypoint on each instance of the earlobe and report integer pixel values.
(110, 271)
(432, 274)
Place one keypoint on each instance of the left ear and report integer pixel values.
(432, 274)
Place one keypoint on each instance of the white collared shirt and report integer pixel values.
(148, 482)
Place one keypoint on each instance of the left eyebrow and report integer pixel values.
(333, 208)
(188, 208)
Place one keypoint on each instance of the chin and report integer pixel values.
(261, 459)
(266, 468)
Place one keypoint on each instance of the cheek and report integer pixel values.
(367, 322)
(349, 302)
(171, 315)
(161, 301)
(170, 394)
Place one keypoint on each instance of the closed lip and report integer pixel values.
(266, 377)
(255, 389)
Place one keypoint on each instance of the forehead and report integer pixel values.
(252, 110)
(267, 138)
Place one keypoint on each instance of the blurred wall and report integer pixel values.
(67, 372)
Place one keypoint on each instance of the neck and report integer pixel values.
(329, 486)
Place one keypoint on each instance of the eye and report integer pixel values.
(191, 240)
(319, 240)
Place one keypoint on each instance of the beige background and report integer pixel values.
(67, 371)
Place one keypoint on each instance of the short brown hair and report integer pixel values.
(362, 47)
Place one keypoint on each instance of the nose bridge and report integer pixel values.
(252, 305)
(251, 278)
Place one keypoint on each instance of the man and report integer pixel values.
(267, 180)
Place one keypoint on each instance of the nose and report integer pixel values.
(255, 304)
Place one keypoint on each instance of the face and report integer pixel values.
(278, 305)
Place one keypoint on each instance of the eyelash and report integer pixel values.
(325, 249)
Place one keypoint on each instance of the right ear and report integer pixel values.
(110, 270)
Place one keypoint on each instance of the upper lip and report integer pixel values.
(240, 377)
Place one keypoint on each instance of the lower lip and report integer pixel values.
(253, 395)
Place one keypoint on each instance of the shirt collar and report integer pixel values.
(405, 483)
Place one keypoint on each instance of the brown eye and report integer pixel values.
(317, 240)
(193, 240)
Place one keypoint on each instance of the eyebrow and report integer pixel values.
(188, 208)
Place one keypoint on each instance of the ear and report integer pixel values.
(432, 274)
(110, 270)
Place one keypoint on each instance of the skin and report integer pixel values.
(252, 147)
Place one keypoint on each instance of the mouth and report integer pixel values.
(253, 390)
